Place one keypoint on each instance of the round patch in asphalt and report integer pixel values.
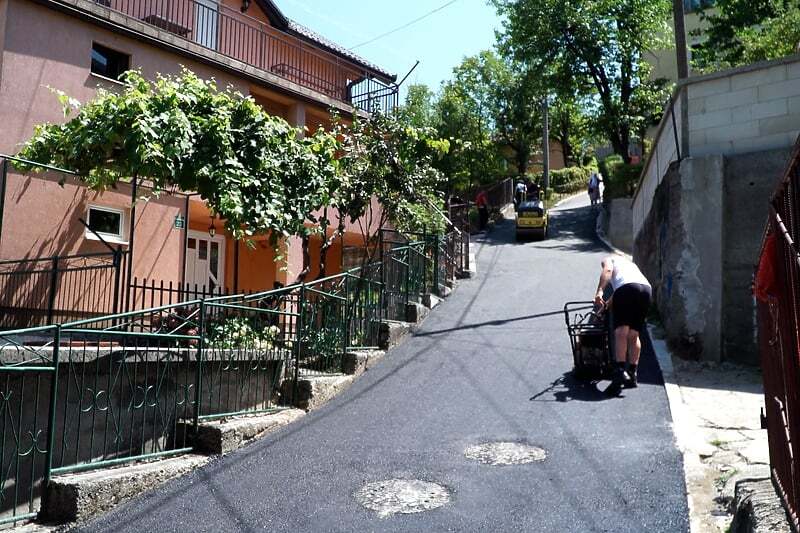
(403, 496)
(505, 453)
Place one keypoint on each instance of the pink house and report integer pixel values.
(77, 46)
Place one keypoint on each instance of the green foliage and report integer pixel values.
(383, 157)
(739, 32)
(242, 332)
(620, 179)
(253, 170)
(570, 179)
(593, 51)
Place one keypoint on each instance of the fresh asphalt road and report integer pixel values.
(490, 364)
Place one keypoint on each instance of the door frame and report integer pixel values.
(220, 239)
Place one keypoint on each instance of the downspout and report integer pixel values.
(185, 240)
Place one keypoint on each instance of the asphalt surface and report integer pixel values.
(490, 364)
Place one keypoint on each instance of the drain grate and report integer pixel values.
(505, 453)
(402, 496)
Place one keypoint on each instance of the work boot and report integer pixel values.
(633, 377)
(618, 380)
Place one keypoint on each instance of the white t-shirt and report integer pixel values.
(626, 272)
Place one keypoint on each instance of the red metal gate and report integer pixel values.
(778, 293)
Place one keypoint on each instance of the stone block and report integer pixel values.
(726, 134)
(782, 124)
(781, 89)
(764, 142)
(730, 100)
(222, 436)
(431, 300)
(78, 497)
(771, 108)
(793, 70)
(712, 119)
(710, 87)
(758, 77)
(757, 508)
(314, 391)
(357, 362)
(392, 333)
(416, 312)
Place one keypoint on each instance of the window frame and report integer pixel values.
(115, 238)
(110, 49)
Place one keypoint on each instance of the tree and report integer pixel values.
(254, 170)
(418, 109)
(740, 32)
(600, 44)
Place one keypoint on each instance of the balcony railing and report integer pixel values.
(249, 40)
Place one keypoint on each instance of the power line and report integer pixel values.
(406, 25)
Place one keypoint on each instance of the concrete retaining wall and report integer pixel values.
(620, 224)
(699, 245)
(749, 182)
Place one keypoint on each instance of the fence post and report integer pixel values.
(198, 377)
(51, 418)
(51, 298)
(117, 273)
(299, 344)
(346, 329)
(407, 284)
(424, 261)
(436, 259)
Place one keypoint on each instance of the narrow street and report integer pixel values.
(490, 364)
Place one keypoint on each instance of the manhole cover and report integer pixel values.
(404, 496)
(505, 453)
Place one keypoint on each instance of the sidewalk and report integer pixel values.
(716, 419)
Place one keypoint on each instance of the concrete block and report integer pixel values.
(697, 106)
(357, 362)
(431, 300)
(222, 436)
(727, 134)
(710, 87)
(781, 89)
(315, 391)
(392, 333)
(772, 108)
(710, 120)
(758, 77)
(793, 105)
(758, 509)
(764, 142)
(793, 71)
(78, 497)
(730, 100)
(782, 124)
(416, 312)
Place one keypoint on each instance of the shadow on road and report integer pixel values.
(493, 323)
(568, 388)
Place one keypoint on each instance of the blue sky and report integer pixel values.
(439, 41)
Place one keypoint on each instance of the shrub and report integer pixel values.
(619, 179)
(570, 179)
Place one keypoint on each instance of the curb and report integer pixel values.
(601, 234)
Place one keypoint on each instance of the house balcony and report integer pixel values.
(304, 59)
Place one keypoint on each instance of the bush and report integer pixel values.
(620, 180)
(570, 179)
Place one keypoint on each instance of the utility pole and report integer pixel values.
(680, 39)
(546, 147)
(683, 72)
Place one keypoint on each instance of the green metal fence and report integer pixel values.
(105, 391)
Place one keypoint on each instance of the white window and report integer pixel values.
(108, 222)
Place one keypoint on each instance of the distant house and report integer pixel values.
(79, 45)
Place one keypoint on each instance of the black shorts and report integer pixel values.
(630, 305)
